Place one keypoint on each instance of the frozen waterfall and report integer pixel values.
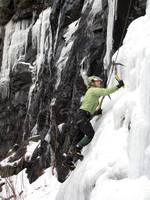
(15, 42)
(116, 164)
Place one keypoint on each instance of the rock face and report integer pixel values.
(13, 97)
(2, 33)
(20, 9)
(127, 11)
(40, 82)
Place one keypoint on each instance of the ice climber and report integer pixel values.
(84, 130)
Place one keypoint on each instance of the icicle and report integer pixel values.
(57, 32)
(69, 39)
(112, 4)
(148, 8)
(97, 6)
(15, 42)
(9, 29)
(42, 37)
(84, 71)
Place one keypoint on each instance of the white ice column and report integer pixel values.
(112, 6)
(15, 42)
(42, 38)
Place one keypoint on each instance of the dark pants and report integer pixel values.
(83, 127)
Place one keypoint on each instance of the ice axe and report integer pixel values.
(114, 68)
(117, 77)
(114, 63)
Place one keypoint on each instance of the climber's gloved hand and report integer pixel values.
(98, 112)
(120, 84)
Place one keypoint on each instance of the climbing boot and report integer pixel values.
(68, 161)
(76, 153)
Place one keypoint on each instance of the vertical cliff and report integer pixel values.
(44, 46)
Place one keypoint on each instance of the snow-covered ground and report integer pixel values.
(46, 187)
(116, 163)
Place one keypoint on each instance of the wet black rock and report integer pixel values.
(2, 33)
(20, 9)
(127, 11)
(5, 15)
(38, 162)
(20, 76)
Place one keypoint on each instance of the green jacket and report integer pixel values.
(91, 98)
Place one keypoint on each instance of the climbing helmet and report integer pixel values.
(94, 78)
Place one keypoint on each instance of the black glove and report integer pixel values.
(98, 112)
(120, 84)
